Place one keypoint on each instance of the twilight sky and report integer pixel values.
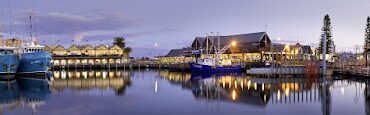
(175, 23)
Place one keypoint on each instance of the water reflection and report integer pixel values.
(25, 91)
(128, 92)
(9, 94)
(91, 80)
(256, 91)
(35, 89)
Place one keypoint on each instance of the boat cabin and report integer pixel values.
(7, 50)
(33, 47)
(30, 49)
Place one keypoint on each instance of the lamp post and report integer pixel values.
(324, 55)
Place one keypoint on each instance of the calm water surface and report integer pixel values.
(160, 92)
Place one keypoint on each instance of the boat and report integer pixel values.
(215, 65)
(9, 60)
(34, 59)
(203, 67)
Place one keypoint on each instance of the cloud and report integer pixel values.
(91, 26)
(73, 24)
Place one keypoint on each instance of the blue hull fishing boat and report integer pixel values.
(36, 62)
(9, 60)
(34, 59)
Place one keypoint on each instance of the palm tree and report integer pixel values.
(120, 41)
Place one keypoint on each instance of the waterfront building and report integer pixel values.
(74, 50)
(252, 47)
(88, 50)
(13, 42)
(175, 56)
(101, 50)
(86, 55)
(292, 52)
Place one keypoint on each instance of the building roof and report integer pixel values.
(74, 47)
(245, 42)
(101, 47)
(304, 49)
(59, 48)
(198, 41)
(179, 52)
(278, 47)
(47, 47)
(86, 47)
(115, 47)
(240, 38)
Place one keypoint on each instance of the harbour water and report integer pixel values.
(161, 92)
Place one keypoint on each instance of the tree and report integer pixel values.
(120, 41)
(367, 39)
(326, 29)
(128, 49)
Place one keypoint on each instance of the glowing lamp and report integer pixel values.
(233, 43)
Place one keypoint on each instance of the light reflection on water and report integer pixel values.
(165, 92)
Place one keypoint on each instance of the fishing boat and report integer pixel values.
(208, 66)
(9, 60)
(34, 59)
(215, 65)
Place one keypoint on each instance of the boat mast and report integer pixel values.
(30, 25)
(10, 19)
(1, 31)
(218, 49)
(1, 26)
(207, 45)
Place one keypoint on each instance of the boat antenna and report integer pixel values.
(31, 26)
(34, 19)
(10, 19)
(266, 27)
(1, 26)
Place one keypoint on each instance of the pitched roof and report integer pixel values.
(86, 47)
(240, 38)
(101, 47)
(74, 47)
(200, 39)
(115, 47)
(60, 47)
(278, 47)
(47, 47)
(179, 52)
